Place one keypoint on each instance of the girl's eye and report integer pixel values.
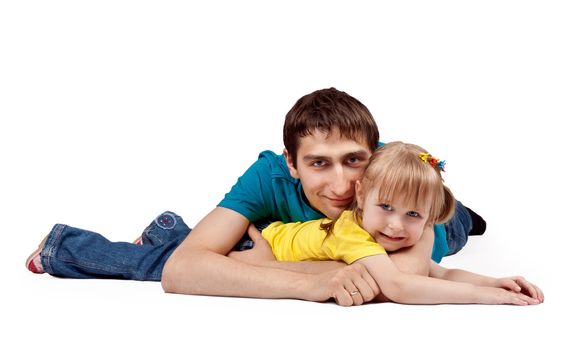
(414, 214)
(386, 207)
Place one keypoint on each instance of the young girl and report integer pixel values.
(401, 193)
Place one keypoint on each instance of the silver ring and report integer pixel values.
(353, 293)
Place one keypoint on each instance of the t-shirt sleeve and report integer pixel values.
(349, 242)
(297, 241)
(252, 195)
(355, 247)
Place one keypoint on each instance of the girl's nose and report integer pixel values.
(395, 224)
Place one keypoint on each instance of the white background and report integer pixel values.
(114, 111)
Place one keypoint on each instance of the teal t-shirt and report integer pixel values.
(267, 191)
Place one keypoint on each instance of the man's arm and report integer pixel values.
(199, 266)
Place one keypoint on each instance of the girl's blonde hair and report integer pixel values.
(398, 172)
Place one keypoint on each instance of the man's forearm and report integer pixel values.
(199, 266)
(310, 267)
(206, 273)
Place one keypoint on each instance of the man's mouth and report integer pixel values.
(340, 202)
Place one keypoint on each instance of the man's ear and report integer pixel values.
(359, 194)
(289, 163)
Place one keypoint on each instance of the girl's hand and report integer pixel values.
(494, 296)
(519, 284)
(260, 254)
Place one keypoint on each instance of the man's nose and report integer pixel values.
(341, 184)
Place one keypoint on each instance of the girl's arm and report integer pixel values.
(416, 259)
(457, 275)
(413, 289)
(516, 283)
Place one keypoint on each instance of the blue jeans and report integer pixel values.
(458, 229)
(76, 253)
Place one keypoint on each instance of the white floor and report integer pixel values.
(60, 313)
(114, 112)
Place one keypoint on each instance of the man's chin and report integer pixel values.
(334, 212)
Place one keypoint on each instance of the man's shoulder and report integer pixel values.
(274, 163)
(270, 156)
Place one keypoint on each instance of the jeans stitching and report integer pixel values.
(48, 251)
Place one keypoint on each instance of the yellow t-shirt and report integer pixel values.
(300, 241)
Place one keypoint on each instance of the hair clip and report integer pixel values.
(434, 162)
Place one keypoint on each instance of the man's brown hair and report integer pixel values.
(327, 110)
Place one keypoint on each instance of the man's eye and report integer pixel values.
(355, 161)
(318, 163)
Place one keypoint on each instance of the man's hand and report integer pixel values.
(259, 255)
(350, 285)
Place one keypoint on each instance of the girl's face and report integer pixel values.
(392, 225)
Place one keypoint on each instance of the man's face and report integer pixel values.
(328, 166)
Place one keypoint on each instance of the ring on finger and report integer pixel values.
(353, 293)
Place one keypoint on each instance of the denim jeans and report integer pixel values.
(76, 253)
(458, 229)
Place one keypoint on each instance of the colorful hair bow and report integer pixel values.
(434, 162)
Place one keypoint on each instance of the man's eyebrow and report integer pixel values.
(356, 154)
(313, 157)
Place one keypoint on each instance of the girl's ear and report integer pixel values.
(289, 163)
(359, 194)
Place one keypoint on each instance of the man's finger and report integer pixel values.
(366, 284)
(254, 234)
